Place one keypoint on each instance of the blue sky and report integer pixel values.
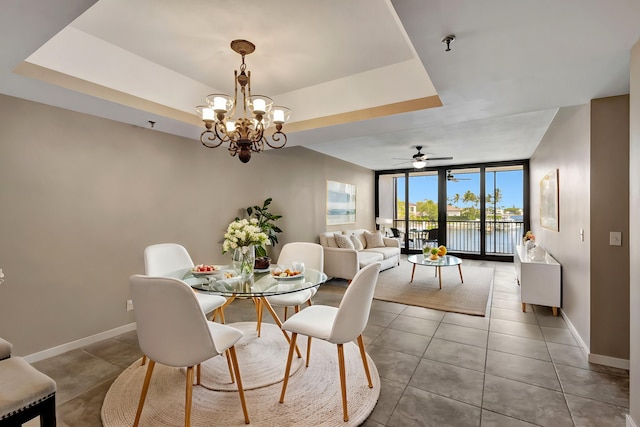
(510, 184)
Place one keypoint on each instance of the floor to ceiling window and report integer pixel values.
(476, 211)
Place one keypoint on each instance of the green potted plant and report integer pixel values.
(266, 222)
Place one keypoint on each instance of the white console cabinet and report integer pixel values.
(539, 280)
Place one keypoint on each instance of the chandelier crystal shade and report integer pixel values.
(245, 133)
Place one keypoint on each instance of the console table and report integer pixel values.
(539, 280)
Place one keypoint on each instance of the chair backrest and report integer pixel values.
(166, 259)
(353, 313)
(312, 254)
(172, 329)
(395, 231)
(432, 234)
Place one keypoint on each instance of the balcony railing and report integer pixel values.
(501, 237)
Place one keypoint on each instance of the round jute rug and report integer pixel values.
(313, 394)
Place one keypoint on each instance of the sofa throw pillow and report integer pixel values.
(374, 240)
(343, 241)
(357, 244)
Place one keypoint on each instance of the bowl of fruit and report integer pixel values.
(204, 270)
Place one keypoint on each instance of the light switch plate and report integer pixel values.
(615, 238)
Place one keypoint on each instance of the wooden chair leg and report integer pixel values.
(259, 306)
(188, 397)
(236, 369)
(285, 313)
(48, 414)
(308, 351)
(228, 356)
(198, 375)
(144, 360)
(292, 346)
(145, 389)
(363, 354)
(296, 309)
(220, 312)
(343, 382)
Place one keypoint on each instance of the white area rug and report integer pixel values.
(313, 393)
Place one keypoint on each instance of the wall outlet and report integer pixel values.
(129, 305)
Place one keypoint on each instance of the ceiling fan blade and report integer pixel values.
(439, 158)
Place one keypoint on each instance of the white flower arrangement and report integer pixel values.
(243, 232)
(1, 276)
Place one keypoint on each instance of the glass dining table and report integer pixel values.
(264, 284)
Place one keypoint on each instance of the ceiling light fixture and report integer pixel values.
(244, 134)
(419, 164)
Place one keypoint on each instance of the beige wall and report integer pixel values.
(634, 232)
(609, 212)
(565, 147)
(80, 198)
(589, 145)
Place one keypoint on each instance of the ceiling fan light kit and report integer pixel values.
(419, 164)
(244, 134)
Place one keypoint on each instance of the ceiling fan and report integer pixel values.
(451, 177)
(419, 160)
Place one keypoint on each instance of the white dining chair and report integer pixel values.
(173, 331)
(173, 260)
(336, 325)
(312, 255)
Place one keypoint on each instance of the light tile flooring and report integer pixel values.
(437, 369)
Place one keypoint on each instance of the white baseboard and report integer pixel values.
(63, 348)
(630, 422)
(592, 357)
(609, 361)
(583, 346)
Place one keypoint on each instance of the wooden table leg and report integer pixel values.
(460, 270)
(265, 302)
(555, 310)
(413, 272)
(440, 275)
(524, 307)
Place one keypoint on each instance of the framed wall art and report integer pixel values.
(549, 201)
(341, 203)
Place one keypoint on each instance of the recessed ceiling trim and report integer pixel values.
(89, 88)
(367, 113)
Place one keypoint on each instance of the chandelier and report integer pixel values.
(244, 134)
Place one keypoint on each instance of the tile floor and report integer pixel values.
(437, 369)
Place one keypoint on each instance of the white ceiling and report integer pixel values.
(358, 74)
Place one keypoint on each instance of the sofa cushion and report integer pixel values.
(357, 244)
(359, 233)
(327, 239)
(365, 258)
(343, 241)
(374, 240)
(386, 252)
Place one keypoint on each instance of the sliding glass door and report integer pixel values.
(476, 211)
(463, 218)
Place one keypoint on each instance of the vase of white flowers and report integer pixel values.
(242, 236)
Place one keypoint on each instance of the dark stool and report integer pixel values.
(25, 393)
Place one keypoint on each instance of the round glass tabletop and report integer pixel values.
(264, 283)
(443, 261)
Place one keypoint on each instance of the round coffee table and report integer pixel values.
(444, 261)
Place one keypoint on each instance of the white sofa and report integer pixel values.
(344, 263)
